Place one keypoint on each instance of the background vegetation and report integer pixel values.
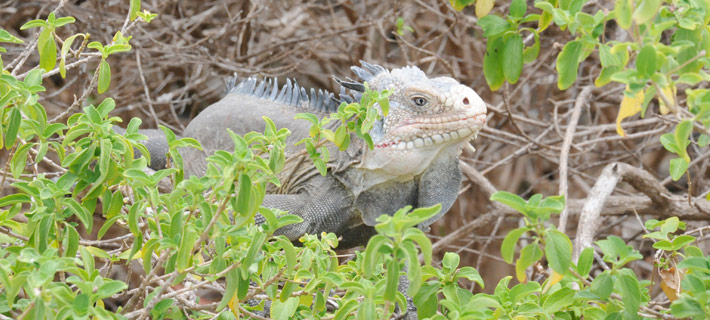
(566, 82)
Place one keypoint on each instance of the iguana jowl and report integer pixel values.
(414, 162)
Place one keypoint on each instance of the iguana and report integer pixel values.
(414, 160)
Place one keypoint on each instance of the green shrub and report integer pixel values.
(202, 233)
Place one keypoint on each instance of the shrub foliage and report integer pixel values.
(64, 234)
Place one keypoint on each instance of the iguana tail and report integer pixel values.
(156, 143)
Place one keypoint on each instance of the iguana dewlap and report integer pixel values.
(414, 162)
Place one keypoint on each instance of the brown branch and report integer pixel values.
(662, 202)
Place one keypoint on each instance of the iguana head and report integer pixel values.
(428, 118)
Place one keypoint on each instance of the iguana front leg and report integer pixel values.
(324, 207)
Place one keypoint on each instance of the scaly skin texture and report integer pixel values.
(414, 162)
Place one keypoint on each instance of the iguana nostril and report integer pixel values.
(465, 101)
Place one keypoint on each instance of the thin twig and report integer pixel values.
(564, 155)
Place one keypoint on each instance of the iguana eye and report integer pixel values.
(419, 101)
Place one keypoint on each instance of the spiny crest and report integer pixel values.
(290, 94)
(321, 100)
(380, 78)
(410, 73)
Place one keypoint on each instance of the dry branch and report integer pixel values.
(662, 202)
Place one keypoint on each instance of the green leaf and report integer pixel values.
(693, 251)
(187, 243)
(244, 195)
(531, 53)
(369, 121)
(19, 160)
(420, 215)
(513, 58)
(460, 4)
(33, 24)
(512, 200)
(47, 47)
(8, 37)
(105, 107)
(646, 10)
(493, 63)
(72, 241)
(558, 250)
(646, 61)
(696, 263)
(559, 300)
(392, 280)
(133, 218)
(418, 236)
(607, 58)
(682, 240)
(670, 225)
(528, 255)
(493, 25)
(13, 127)
(384, 105)
(135, 8)
(603, 285)
(507, 248)
(366, 311)
(346, 309)
(110, 288)
(63, 21)
(284, 310)
(623, 8)
(631, 293)
(471, 274)
(682, 135)
(450, 262)
(518, 8)
(104, 76)
(425, 299)
(232, 282)
(691, 78)
(522, 290)
(687, 308)
(13, 199)
(371, 253)
(703, 140)
(307, 116)
(340, 135)
(81, 304)
(552, 204)
(290, 255)
(586, 259)
(104, 228)
(80, 212)
(668, 142)
(678, 168)
(116, 48)
(96, 252)
(320, 166)
(254, 249)
(65, 49)
(161, 308)
(568, 63)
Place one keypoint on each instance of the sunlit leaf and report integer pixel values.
(104, 76)
(630, 105)
(483, 7)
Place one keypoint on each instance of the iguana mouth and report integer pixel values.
(437, 130)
